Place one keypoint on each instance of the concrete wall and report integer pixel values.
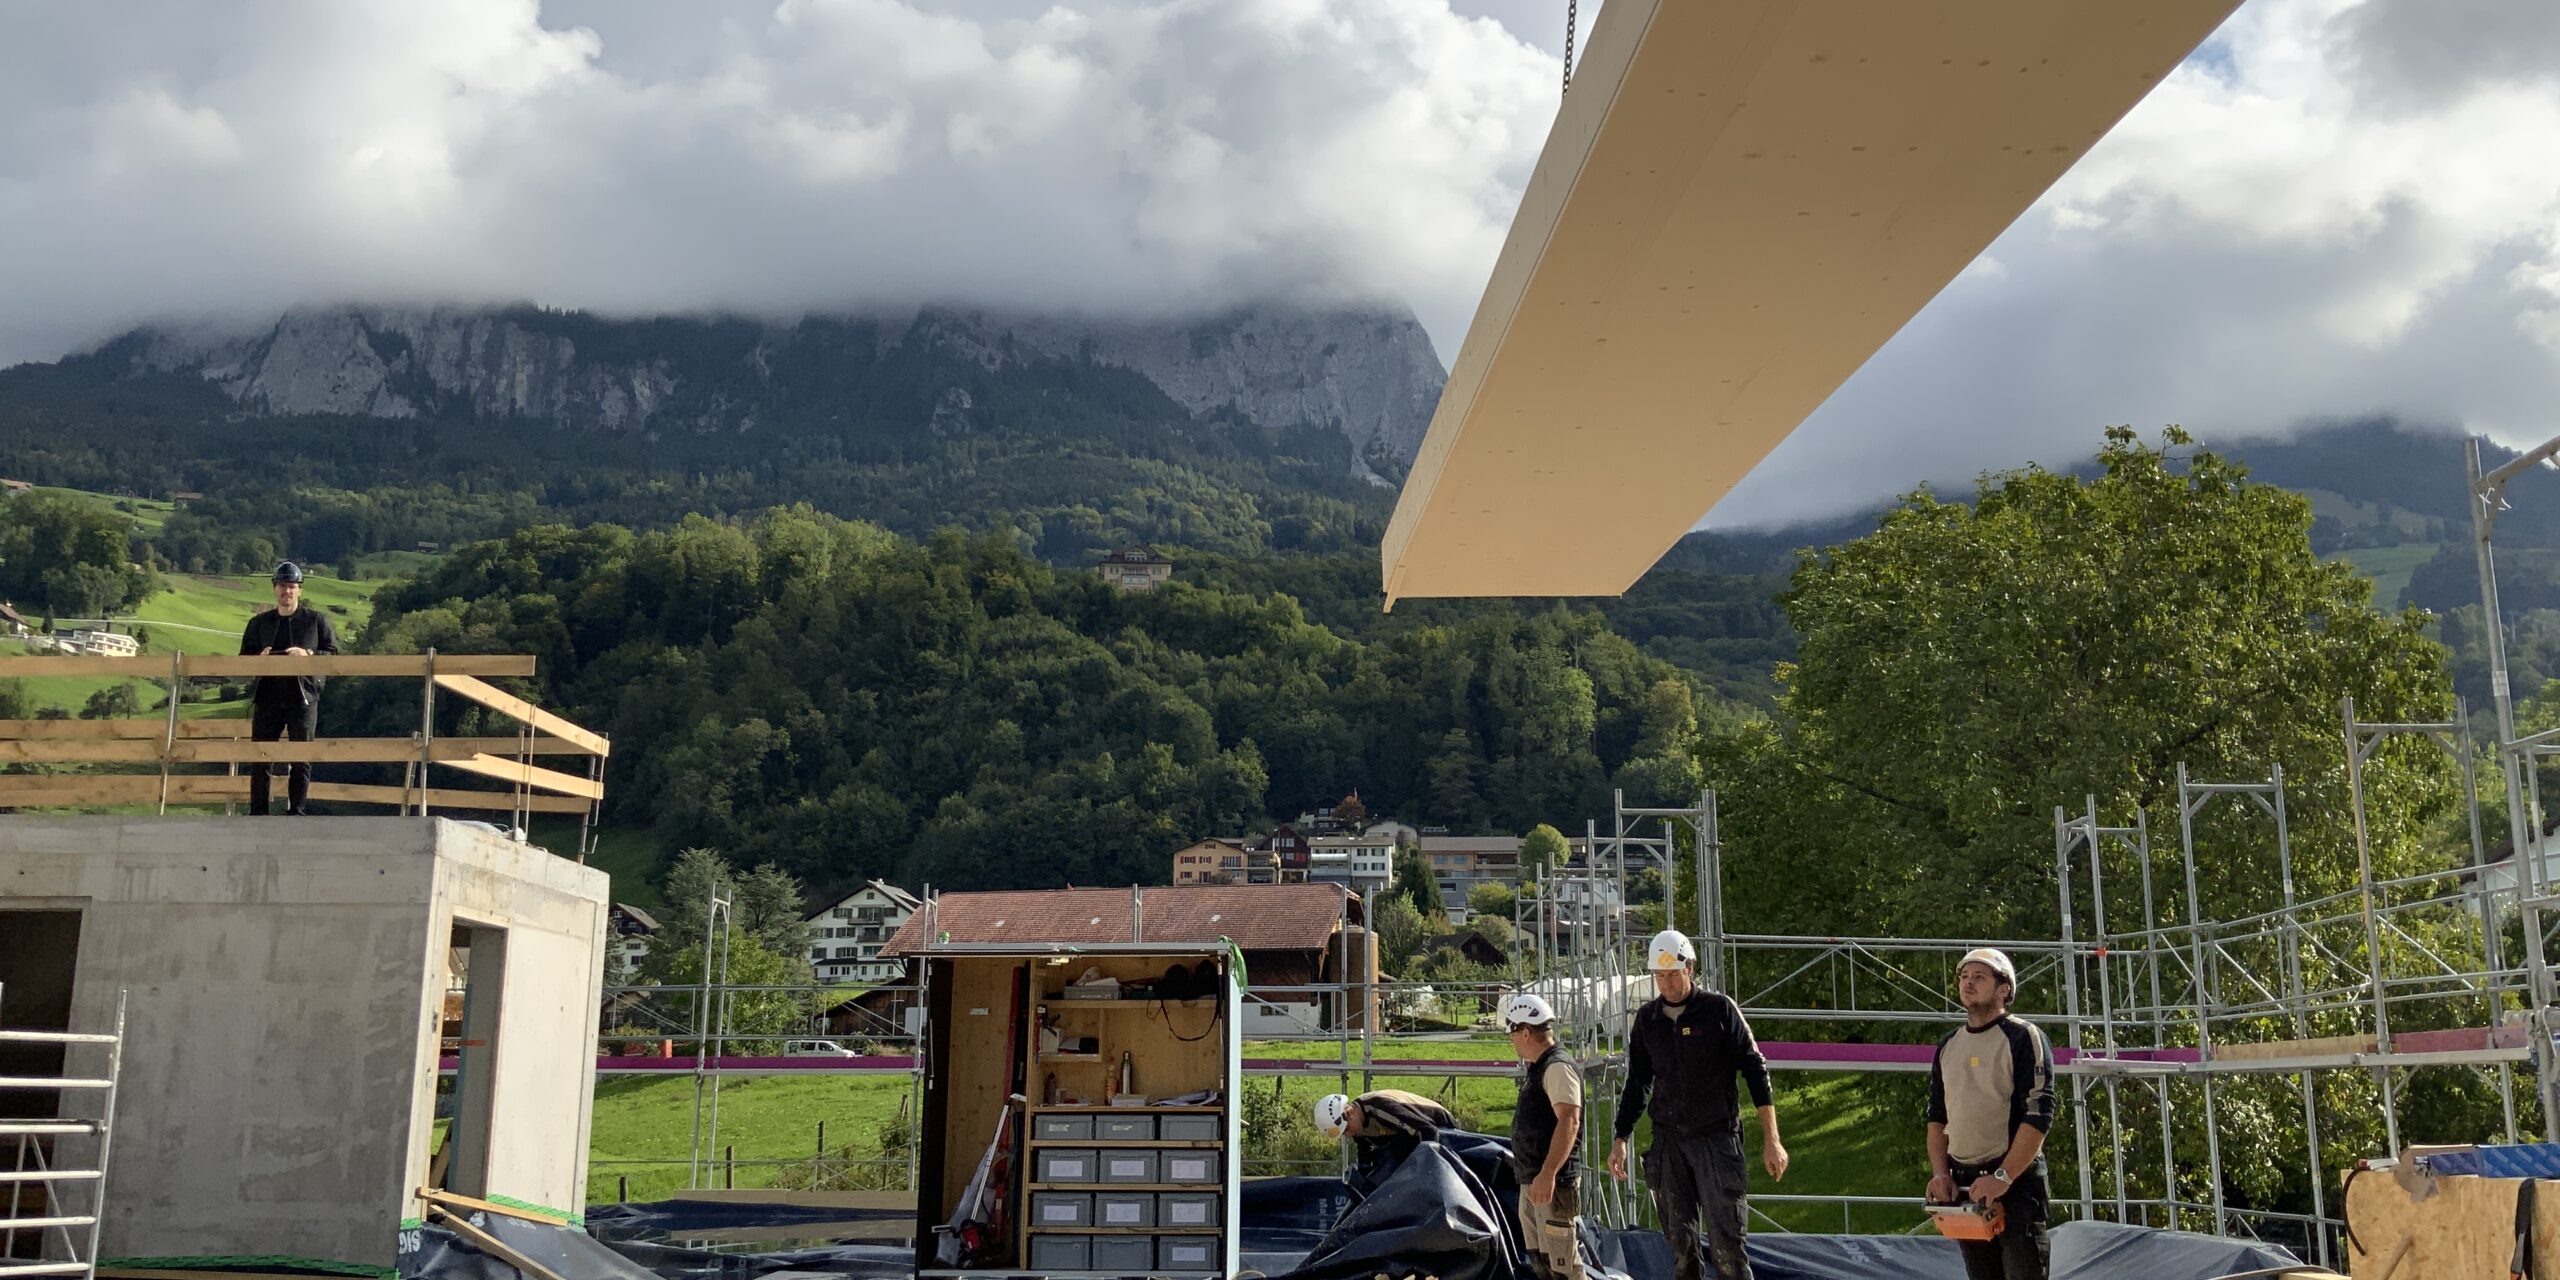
(555, 914)
(283, 981)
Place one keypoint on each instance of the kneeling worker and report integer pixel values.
(1381, 1121)
(1546, 1140)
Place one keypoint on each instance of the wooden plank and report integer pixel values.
(505, 703)
(97, 790)
(491, 1245)
(359, 664)
(453, 1200)
(2316, 1047)
(207, 666)
(529, 775)
(86, 790)
(444, 798)
(154, 728)
(72, 750)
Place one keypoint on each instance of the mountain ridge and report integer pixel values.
(1369, 374)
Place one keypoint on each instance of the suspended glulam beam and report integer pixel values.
(1739, 203)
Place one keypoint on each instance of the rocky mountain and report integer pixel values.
(1370, 374)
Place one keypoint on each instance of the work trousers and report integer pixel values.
(1554, 1233)
(2022, 1252)
(1700, 1190)
(271, 723)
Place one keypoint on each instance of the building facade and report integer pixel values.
(845, 939)
(1137, 569)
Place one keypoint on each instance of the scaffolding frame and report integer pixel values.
(66, 1227)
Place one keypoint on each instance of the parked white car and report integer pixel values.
(816, 1049)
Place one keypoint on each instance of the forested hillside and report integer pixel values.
(847, 702)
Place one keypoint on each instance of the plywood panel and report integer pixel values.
(979, 1075)
(2466, 1228)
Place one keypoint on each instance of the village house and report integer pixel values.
(845, 939)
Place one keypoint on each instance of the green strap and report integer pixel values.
(573, 1219)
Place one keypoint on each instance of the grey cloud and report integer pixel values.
(2416, 52)
(1105, 155)
(2270, 240)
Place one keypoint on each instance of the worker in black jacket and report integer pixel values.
(1687, 1046)
(286, 706)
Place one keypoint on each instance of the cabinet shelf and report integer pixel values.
(1126, 1144)
(1098, 1109)
(1203, 1188)
(1055, 1003)
(1157, 1230)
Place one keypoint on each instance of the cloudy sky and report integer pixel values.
(2337, 207)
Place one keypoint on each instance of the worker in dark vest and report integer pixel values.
(1990, 1103)
(1687, 1046)
(1546, 1140)
(283, 707)
(1381, 1123)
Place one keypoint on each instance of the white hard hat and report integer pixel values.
(1525, 1010)
(1994, 959)
(1329, 1112)
(1670, 949)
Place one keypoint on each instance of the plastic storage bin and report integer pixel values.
(1052, 1209)
(1065, 1164)
(1189, 1129)
(1187, 1167)
(1062, 1128)
(1189, 1209)
(1128, 1255)
(1130, 1166)
(1187, 1253)
(1061, 1253)
(1126, 1129)
(1125, 1209)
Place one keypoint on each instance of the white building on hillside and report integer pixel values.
(844, 940)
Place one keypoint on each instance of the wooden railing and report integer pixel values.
(170, 743)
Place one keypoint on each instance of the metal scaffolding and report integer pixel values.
(50, 1197)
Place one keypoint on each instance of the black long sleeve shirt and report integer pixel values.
(1685, 1057)
(274, 632)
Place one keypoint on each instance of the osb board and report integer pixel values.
(978, 1077)
(2466, 1229)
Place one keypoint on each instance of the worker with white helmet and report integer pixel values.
(1546, 1139)
(1990, 1103)
(1686, 1047)
(1381, 1122)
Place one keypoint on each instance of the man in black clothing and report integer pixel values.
(1546, 1140)
(285, 706)
(1687, 1045)
(1990, 1103)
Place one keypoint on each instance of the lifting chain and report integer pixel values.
(1572, 12)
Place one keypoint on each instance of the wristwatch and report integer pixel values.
(2001, 1174)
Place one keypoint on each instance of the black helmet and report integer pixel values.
(287, 571)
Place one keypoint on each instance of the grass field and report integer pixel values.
(203, 615)
(2389, 567)
(630, 856)
(1840, 1140)
(148, 515)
